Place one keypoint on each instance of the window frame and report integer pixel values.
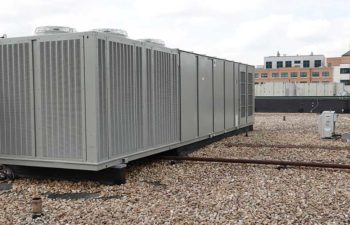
(268, 63)
(264, 75)
(325, 72)
(284, 73)
(294, 73)
(308, 63)
(318, 74)
(301, 74)
(279, 64)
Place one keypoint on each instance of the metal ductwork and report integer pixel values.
(43, 30)
(154, 41)
(118, 32)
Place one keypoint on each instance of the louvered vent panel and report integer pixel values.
(165, 98)
(102, 116)
(125, 98)
(243, 94)
(150, 98)
(62, 120)
(250, 94)
(16, 102)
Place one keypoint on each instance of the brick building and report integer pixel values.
(297, 69)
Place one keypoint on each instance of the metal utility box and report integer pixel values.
(326, 125)
(93, 100)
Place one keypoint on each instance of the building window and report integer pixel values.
(294, 74)
(306, 63)
(297, 62)
(344, 70)
(315, 74)
(275, 75)
(264, 75)
(325, 74)
(288, 63)
(346, 82)
(256, 75)
(317, 63)
(284, 75)
(303, 74)
(268, 65)
(279, 64)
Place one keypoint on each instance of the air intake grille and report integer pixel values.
(243, 94)
(16, 102)
(125, 98)
(166, 106)
(61, 79)
(102, 115)
(250, 94)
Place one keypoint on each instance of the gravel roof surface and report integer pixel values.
(159, 192)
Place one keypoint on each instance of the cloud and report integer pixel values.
(234, 29)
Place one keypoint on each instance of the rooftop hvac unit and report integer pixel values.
(326, 125)
(154, 41)
(53, 30)
(119, 32)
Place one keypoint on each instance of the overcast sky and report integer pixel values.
(241, 30)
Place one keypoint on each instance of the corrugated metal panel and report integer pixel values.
(62, 121)
(150, 98)
(250, 94)
(16, 100)
(243, 94)
(166, 105)
(125, 98)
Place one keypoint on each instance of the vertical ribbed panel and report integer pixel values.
(62, 115)
(150, 98)
(16, 90)
(250, 94)
(243, 94)
(165, 98)
(102, 116)
(125, 98)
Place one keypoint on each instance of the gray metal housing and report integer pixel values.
(94, 100)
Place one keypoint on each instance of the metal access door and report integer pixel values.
(219, 93)
(250, 94)
(205, 96)
(243, 94)
(229, 96)
(189, 93)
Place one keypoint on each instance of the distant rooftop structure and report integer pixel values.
(300, 61)
(347, 53)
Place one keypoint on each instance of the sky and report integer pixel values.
(243, 31)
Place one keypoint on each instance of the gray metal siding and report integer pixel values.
(166, 105)
(250, 92)
(189, 111)
(243, 94)
(236, 94)
(16, 100)
(102, 103)
(61, 102)
(125, 88)
(229, 95)
(219, 95)
(205, 96)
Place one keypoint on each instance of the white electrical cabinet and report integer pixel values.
(326, 125)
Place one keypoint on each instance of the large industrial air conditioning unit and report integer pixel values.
(92, 100)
